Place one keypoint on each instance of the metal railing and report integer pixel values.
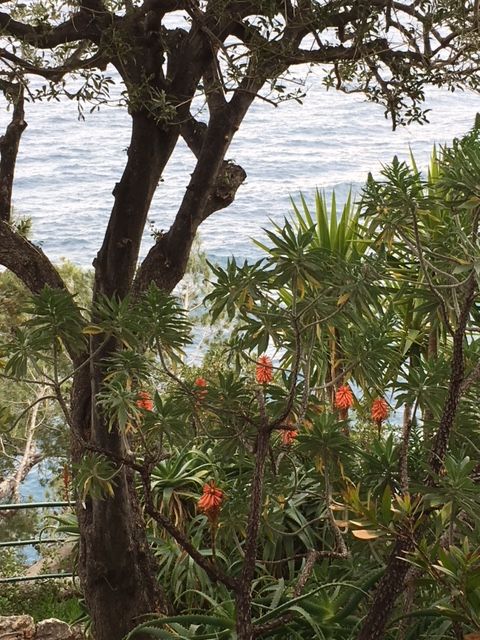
(35, 541)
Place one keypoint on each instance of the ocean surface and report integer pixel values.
(67, 168)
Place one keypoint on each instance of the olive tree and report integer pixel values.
(231, 52)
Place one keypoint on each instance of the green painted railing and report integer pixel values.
(33, 505)
(43, 576)
(35, 541)
(26, 543)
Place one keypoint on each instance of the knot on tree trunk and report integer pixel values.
(226, 186)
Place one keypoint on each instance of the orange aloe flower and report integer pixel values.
(379, 411)
(211, 500)
(201, 390)
(288, 436)
(264, 370)
(144, 401)
(344, 398)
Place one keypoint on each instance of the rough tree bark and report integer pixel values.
(243, 596)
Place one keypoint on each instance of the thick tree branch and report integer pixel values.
(149, 151)
(27, 261)
(214, 86)
(403, 459)
(193, 132)
(213, 186)
(80, 26)
(165, 6)
(339, 53)
(9, 144)
(230, 177)
(74, 62)
(457, 376)
(388, 590)
(244, 594)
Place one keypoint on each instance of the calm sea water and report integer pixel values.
(67, 168)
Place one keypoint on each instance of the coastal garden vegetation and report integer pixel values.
(168, 54)
(317, 475)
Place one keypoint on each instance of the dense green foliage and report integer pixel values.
(43, 600)
(366, 304)
(19, 397)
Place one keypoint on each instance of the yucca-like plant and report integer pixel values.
(346, 246)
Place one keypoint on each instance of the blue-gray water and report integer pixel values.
(67, 168)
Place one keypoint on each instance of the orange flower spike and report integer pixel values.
(144, 401)
(264, 370)
(379, 411)
(201, 390)
(344, 398)
(211, 500)
(288, 436)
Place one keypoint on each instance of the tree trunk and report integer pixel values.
(150, 149)
(243, 603)
(243, 600)
(387, 592)
(9, 144)
(116, 566)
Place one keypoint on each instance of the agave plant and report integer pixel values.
(177, 482)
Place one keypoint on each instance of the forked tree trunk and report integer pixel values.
(116, 566)
(115, 562)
